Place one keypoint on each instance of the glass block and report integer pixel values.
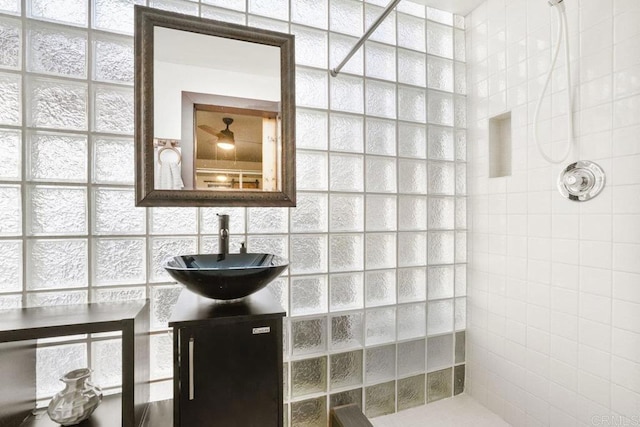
(308, 254)
(285, 381)
(279, 289)
(11, 266)
(460, 79)
(380, 251)
(106, 362)
(311, 214)
(57, 264)
(57, 157)
(412, 140)
(308, 336)
(73, 12)
(308, 295)
(239, 5)
(412, 176)
(441, 143)
(439, 385)
(386, 32)
(178, 6)
(460, 313)
(440, 74)
(119, 261)
(412, 68)
(346, 398)
(311, 129)
(346, 212)
(267, 220)
(346, 172)
(115, 212)
(412, 321)
(441, 213)
(311, 88)
(381, 326)
(313, 13)
(381, 175)
(339, 46)
(441, 247)
(439, 352)
(411, 392)
(308, 376)
(11, 6)
(460, 347)
(346, 133)
(10, 167)
(440, 108)
(461, 145)
(311, 46)
(412, 104)
(346, 291)
(163, 248)
(113, 59)
(346, 16)
(458, 379)
(412, 213)
(380, 364)
(10, 301)
(113, 160)
(57, 210)
(113, 110)
(277, 9)
(346, 252)
(209, 220)
(381, 213)
(163, 300)
(380, 288)
(10, 206)
(440, 282)
(380, 61)
(50, 299)
(461, 179)
(461, 280)
(55, 361)
(380, 399)
(459, 21)
(459, 45)
(346, 369)
(347, 93)
(411, 284)
(411, 249)
(57, 104)
(10, 99)
(440, 317)
(441, 178)
(440, 16)
(460, 114)
(223, 15)
(411, 8)
(381, 99)
(311, 171)
(277, 245)
(10, 43)
(439, 40)
(128, 293)
(411, 32)
(114, 15)
(160, 356)
(381, 137)
(346, 331)
(56, 51)
(268, 24)
(309, 413)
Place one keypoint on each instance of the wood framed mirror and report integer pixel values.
(215, 113)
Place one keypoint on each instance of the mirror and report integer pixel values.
(215, 113)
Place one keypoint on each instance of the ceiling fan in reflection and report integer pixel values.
(224, 139)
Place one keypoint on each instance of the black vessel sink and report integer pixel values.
(225, 276)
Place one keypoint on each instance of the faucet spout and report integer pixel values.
(223, 234)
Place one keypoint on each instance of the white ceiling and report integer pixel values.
(459, 7)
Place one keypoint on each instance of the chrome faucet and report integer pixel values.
(223, 234)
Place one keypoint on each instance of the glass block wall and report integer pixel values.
(376, 287)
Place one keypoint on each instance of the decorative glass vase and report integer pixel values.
(77, 401)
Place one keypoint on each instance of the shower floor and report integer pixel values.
(458, 411)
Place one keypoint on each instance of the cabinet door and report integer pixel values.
(231, 375)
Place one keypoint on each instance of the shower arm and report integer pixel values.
(365, 36)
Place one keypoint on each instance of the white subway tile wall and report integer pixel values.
(381, 149)
(553, 337)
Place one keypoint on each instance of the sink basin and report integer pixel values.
(225, 277)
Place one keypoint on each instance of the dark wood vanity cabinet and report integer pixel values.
(227, 362)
